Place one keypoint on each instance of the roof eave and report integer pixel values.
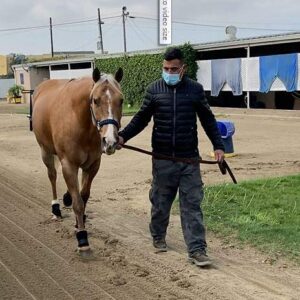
(249, 42)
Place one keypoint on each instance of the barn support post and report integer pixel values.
(248, 92)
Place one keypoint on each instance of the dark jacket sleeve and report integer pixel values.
(141, 118)
(208, 121)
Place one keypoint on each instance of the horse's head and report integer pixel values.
(106, 108)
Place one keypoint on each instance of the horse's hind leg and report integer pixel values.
(49, 161)
(70, 173)
(88, 174)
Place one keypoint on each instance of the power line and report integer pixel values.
(55, 24)
(24, 28)
(82, 21)
(139, 35)
(87, 42)
(223, 26)
(215, 26)
(109, 26)
(139, 32)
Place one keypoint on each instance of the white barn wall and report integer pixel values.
(69, 74)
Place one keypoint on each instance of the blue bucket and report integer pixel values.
(227, 130)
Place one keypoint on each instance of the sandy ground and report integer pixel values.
(38, 258)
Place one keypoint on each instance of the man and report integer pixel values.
(174, 102)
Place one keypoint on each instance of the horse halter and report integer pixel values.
(101, 123)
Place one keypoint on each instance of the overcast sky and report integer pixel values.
(208, 17)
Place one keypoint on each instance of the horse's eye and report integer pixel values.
(96, 101)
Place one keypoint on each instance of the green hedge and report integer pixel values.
(141, 70)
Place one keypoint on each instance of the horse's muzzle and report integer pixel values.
(108, 148)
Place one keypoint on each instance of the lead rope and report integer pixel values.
(223, 166)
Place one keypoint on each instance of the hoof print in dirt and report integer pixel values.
(183, 283)
(140, 271)
(117, 280)
(67, 199)
(86, 254)
(112, 241)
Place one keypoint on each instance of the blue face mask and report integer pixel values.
(171, 79)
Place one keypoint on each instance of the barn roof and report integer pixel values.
(282, 38)
(251, 41)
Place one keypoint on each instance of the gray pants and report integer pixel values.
(168, 177)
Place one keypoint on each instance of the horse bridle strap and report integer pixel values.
(224, 167)
(101, 123)
(107, 122)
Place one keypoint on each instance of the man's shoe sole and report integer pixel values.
(200, 264)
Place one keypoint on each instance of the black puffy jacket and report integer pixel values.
(174, 110)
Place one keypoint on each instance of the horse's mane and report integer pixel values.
(110, 79)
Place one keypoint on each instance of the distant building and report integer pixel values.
(3, 65)
(30, 75)
(248, 50)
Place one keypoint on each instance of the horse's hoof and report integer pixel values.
(84, 249)
(82, 238)
(67, 199)
(55, 218)
(56, 211)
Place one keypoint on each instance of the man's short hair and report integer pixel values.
(173, 53)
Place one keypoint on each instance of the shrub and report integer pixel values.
(140, 70)
(15, 91)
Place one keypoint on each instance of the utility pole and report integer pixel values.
(100, 31)
(51, 37)
(124, 14)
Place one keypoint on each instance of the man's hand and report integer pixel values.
(219, 155)
(120, 143)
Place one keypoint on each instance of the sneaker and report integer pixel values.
(160, 245)
(200, 259)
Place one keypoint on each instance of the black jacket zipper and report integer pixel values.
(174, 121)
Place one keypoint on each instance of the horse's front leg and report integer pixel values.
(70, 172)
(88, 174)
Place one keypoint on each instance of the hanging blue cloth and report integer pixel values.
(283, 66)
(226, 70)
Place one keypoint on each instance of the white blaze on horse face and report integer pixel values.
(109, 135)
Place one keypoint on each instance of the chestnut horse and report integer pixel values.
(76, 120)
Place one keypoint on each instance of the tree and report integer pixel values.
(15, 59)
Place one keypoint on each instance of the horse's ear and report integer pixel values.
(119, 75)
(96, 75)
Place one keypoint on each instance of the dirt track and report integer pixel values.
(38, 259)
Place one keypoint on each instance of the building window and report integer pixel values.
(59, 67)
(21, 78)
(84, 65)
